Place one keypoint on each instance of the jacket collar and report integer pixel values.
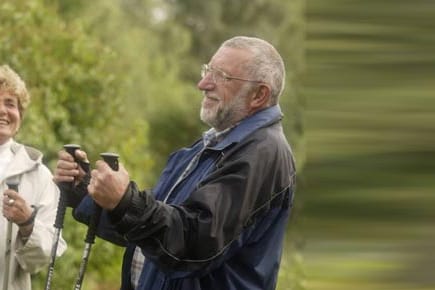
(25, 159)
(250, 124)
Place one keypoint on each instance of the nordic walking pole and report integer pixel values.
(12, 184)
(60, 215)
(112, 160)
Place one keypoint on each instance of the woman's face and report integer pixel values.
(10, 118)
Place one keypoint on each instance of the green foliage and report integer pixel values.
(151, 51)
(103, 268)
(74, 91)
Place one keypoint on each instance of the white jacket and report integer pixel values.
(37, 187)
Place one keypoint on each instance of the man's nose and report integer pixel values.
(206, 83)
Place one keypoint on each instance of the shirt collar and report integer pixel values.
(245, 127)
(212, 137)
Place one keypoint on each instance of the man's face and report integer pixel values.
(225, 102)
(10, 118)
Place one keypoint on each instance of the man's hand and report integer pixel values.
(67, 170)
(107, 186)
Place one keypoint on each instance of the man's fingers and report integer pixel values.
(63, 155)
(67, 165)
(81, 155)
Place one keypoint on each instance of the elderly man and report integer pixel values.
(217, 216)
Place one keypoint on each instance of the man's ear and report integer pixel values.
(261, 98)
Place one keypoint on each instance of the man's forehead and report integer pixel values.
(229, 57)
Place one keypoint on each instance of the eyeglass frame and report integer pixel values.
(206, 68)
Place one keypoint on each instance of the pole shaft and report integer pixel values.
(112, 160)
(12, 183)
(60, 216)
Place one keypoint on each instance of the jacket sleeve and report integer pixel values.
(35, 253)
(105, 230)
(189, 236)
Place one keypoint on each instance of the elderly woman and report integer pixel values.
(28, 212)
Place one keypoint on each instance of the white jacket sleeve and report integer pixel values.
(43, 193)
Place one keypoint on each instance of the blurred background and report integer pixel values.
(120, 75)
(368, 185)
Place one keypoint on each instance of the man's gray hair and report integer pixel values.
(266, 64)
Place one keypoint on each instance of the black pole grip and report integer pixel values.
(71, 149)
(64, 188)
(12, 185)
(61, 209)
(112, 160)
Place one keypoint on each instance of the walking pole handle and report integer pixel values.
(112, 160)
(60, 216)
(61, 207)
(12, 183)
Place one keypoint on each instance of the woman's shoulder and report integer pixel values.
(33, 153)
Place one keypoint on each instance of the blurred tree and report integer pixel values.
(68, 74)
(74, 92)
(368, 214)
(149, 48)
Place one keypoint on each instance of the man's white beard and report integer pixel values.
(222, 116)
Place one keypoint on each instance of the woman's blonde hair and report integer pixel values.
(11, 83)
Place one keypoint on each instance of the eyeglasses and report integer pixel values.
(217, 74)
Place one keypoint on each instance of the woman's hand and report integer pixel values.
(16, 210)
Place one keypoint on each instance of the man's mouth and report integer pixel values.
(214, 98)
